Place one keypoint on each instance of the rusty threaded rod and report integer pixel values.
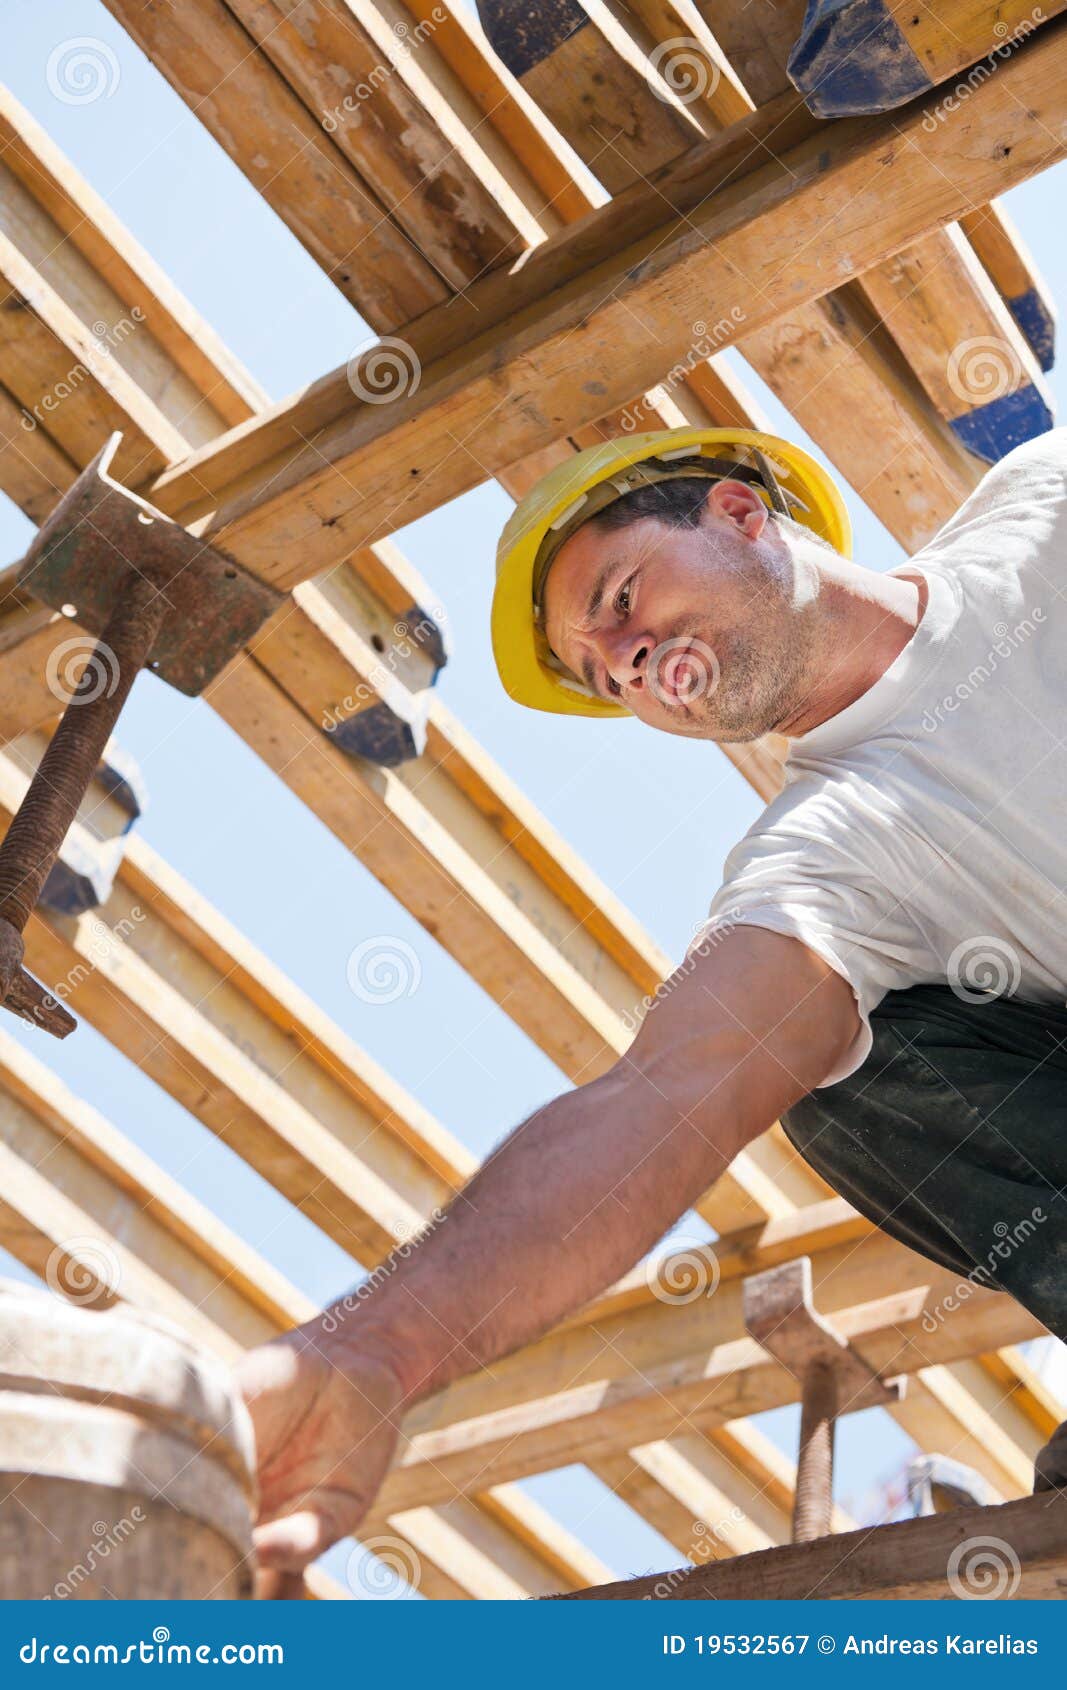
(62, 778)
(813, 1501)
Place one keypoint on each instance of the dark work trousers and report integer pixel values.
(953, 1138)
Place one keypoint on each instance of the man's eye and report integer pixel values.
(622, 599)
(613, 687)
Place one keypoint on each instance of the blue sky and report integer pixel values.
(654, 816)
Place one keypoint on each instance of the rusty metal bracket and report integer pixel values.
(100, 535)
(834, 1378)
(157, 596)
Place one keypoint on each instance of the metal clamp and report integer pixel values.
(158, 597)
(834, 1379)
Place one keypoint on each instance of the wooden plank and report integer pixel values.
(87, 225)
(499, 397)
(363, 83)
(461, 45)
(100, 1222)
(585, 69)
(728, 1378)
(1016, 1551)
(249, 108)
(92, 395)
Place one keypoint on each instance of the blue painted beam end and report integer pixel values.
(524, 33)
(851, 59)
(991, 431)
(1038, 325)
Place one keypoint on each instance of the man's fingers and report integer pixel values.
(288, 1544)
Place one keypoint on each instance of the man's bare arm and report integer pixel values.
(574, 1197)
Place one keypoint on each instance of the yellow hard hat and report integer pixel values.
(788, 478)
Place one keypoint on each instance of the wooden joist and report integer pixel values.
(967, 351)
(497, 375)
(1015, 1551)
(633, 1370)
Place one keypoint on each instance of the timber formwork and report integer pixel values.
(418, 160)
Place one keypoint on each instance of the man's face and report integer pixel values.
(695, 630)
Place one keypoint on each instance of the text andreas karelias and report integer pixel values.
(952, 1644)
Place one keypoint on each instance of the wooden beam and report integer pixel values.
(1018, 1550)
(100, 1222)
(288, 510)
(633, 1369)
(1001, 249)
(115, 262)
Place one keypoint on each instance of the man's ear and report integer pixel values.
(740, 504)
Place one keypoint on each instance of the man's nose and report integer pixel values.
(626, 656)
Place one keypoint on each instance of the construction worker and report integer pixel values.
(884, 967)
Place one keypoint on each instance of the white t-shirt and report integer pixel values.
(922, 832)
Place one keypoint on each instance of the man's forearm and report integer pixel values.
(576, 1195)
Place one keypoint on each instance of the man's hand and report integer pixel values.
(324, 1440)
